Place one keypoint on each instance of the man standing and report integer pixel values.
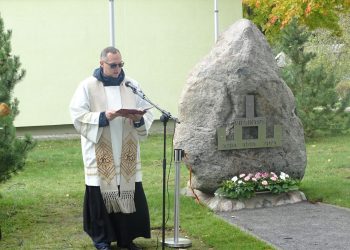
(115, 206)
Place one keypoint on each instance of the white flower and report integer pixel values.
(240, 181)
(234, 178)
(241, 175)
(283, 176)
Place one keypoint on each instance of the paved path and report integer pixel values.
(299, 226)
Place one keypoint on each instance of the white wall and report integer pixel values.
(59, 42)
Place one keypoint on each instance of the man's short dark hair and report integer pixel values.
(107, 50)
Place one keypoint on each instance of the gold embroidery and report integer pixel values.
(105, 162)
(129, 157)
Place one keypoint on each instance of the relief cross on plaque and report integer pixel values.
(238, 142)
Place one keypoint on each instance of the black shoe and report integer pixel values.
(102, 246)
(132, 246)
(105, 248)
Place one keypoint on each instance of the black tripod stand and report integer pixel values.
(165, 117)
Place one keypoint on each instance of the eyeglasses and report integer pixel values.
(115, 65)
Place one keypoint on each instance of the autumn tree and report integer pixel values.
(272, 16)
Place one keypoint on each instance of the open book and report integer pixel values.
(124, 112)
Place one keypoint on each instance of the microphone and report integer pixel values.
(130, 85)
(134, 88)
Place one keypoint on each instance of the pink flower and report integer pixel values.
(273, 174)
(241, 175)
(264, 183)
(258, 175)
(264, 175)
(274, 178)
(247, 178)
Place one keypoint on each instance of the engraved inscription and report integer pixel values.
(238, 142)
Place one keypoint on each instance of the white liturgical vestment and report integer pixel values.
(86, 123)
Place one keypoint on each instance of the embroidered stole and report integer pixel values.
(116, 198)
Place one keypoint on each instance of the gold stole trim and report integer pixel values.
(117, 199)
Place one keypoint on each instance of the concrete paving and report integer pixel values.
(299, 226)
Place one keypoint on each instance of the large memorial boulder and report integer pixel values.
(235, 97)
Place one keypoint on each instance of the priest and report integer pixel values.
(112, 120)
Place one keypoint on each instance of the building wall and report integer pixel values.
(59, 42)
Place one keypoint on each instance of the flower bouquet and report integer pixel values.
(246, 186)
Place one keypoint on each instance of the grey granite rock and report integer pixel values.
(241, 63)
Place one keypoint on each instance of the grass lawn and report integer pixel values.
(41, 207)
(327, 176)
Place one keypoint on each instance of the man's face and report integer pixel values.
(112, 66)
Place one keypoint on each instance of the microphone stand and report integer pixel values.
(165, 117)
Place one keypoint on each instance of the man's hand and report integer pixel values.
(135, 118)
(111, 114)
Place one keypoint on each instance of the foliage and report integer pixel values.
(318, 105)
(332, 51)
(343, 89)
(13, 151)
(245, 186)
(273, 16)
